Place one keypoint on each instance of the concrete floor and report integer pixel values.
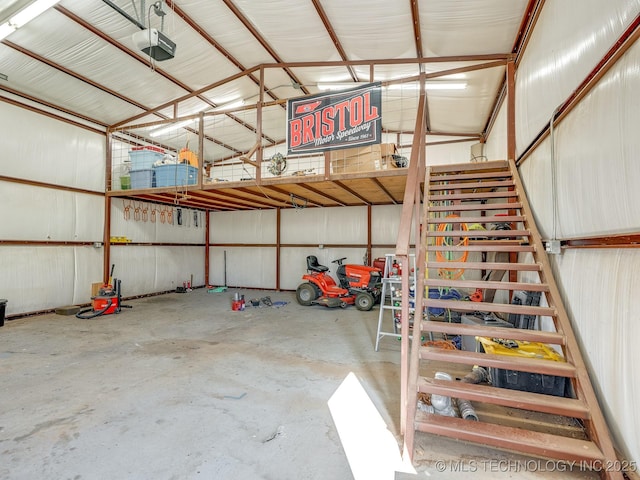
(181, 387)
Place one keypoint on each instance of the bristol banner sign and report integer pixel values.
(327, 121)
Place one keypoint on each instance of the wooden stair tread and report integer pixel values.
(498, 245)
(478, 233)
(506, 362)
(527, 267)
(471, 196)
(486, 219)
(537, 402)
(471, 185)
(528, 287)
(468, 167)
(516, 439)
(454, 177)
(553, 338)
(466, 306)
(486, 206)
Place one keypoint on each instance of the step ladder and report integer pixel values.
(390, 303)
(491, 193)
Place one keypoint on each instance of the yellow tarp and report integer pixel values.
(523, 349)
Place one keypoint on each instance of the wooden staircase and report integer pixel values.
(492, 193)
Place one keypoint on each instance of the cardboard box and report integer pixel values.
(95, 288)
(362, 159)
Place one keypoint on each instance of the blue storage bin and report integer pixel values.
(176, 174)
(143, 158)
(142, 178)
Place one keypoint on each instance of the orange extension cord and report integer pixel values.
(451, 273)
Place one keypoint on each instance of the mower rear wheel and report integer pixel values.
(306, 293)
(365, 301)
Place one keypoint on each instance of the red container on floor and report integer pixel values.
(237, 305)
(107, 303)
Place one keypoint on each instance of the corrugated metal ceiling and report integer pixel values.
(80, 55)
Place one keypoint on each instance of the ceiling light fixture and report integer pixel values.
(429, 85)
(339, 85)
(24, 16)
(435, 85)
(171, 127)
(229, 105)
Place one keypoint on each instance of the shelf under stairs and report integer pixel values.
(486, 194)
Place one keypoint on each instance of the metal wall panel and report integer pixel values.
(46, 277)
(570, 38)
(50, 151)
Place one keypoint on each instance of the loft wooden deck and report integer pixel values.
(381, 187)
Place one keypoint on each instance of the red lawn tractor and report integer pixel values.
(357, 285)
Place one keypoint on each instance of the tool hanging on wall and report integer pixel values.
(448, 256)
(145, 212)
(277, 165)
(126, 208)
(137, 211)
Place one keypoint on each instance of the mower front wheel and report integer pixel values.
(364, 301)
(306, 293)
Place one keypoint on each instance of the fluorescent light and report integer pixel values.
(445, 85)
(339, 85)
(454, 76)
(171, 127)
(429, 85)
(6, 29)
(31, 12)
(24, 16)
(226, 106)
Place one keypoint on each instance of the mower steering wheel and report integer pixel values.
(339, 260)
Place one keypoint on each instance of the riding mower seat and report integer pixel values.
(314, 266)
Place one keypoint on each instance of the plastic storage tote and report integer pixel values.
(525, 381)
(141, 179)
(176, 174)
(143, 158)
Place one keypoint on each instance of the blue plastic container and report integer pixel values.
(141, 179)
(143, 158)
(176, 174)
